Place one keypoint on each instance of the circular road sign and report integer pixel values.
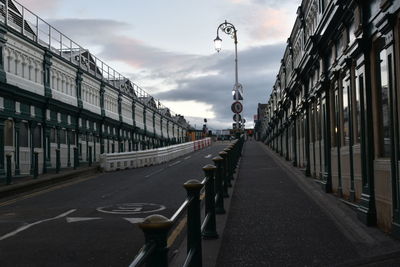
(237, 107)
(237, 117)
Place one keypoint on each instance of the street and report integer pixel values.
(92, 222)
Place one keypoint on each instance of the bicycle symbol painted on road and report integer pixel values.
(131, 208)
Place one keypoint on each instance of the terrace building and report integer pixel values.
(57, 96)
(334, 109)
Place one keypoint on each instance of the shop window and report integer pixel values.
(346, 112)
(357, 106)
(383, 104)
(23, 134)
(37, 137)
(63, 137)
(335, 134)
(8, 133)
(53, 136)
(72, 138)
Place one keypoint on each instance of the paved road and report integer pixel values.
(91, 222)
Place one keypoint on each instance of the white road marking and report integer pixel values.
(134, 220)
(23, 228)
(80, 219)
(188, 157)
(131, 208)
(208, 156)
(173, 164)
(155, 172)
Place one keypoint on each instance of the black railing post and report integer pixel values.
(155, 228)
(229, 165)
(36, 165)
(8, 173)
(90, 156)
(193, 188)
(225, 177)
(219, 203)
(58, 162)
(76, 158)
(210, 229)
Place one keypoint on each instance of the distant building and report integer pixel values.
(334, 109)
(56, 95)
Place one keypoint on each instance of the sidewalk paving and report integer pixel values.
(279, 217)
(24, 184)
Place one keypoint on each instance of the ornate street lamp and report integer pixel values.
(229, 29)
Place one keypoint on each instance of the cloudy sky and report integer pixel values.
(166, 47)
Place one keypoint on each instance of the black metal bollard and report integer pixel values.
(36, 165)
(193, 188)
(224, 155)
(58, 162)
(210, 229)
(76, 158)
(155, 228)
(229, 166)
(219, 203)
(8, 174)
(90, 156)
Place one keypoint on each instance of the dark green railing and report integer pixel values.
(215, 185)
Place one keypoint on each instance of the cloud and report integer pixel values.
(198, 86)
(263, 21)
(40, 6)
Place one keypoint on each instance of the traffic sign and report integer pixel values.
(237, 107)
(237, 117)
(237, 92)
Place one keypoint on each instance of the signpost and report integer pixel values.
(237, 107)
(237, 117)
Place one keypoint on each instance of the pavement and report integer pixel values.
(276, 216)
(22, 184)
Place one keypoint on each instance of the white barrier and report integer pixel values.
(137, 159)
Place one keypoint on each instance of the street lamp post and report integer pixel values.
(229, 29)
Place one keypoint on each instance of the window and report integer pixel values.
(335, 119)
(383, 104)
(63, 137)
(72, 138)
(37, 136)
(8, 133)
(359, 90)
(346, 112)
(53, 137)
(23, 134)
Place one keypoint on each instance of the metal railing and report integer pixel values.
(24, 21)
(154, 252)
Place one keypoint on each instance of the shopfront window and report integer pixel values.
(37, 136)
(383, 105)
(357, 106)
(23, 134)
(346, 113)
(8, 133)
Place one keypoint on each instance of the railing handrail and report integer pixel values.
(146, 250)
(207, 228)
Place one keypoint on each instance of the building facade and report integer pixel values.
(57, 96)
(334, 109)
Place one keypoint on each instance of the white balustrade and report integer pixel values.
(149, 157)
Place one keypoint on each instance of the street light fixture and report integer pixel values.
(229, 29)
(218, 43)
